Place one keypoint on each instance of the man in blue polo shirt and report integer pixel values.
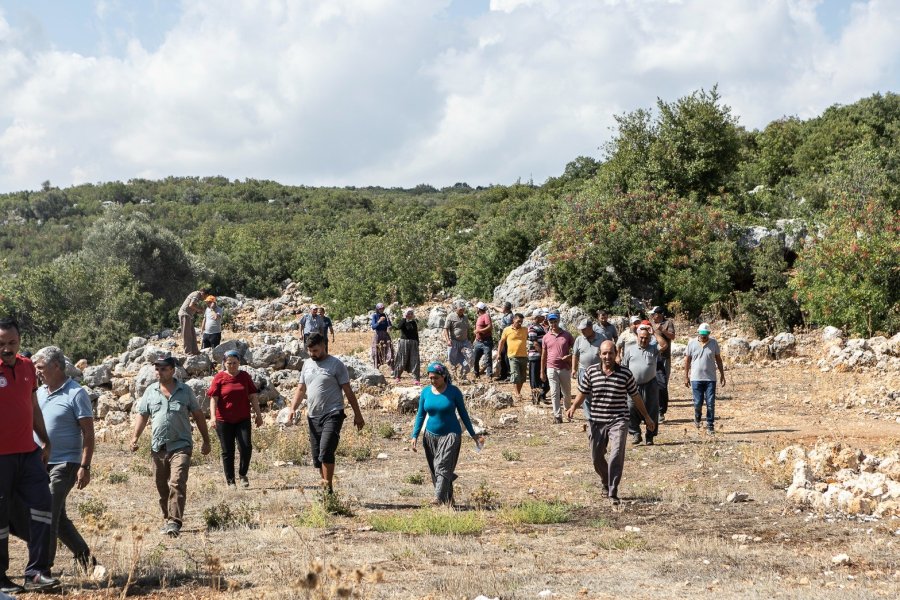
(69, 418)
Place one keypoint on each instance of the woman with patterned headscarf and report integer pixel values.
(441, 401)
(408, 347)
(382, 348)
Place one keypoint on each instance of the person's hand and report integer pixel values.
(412, 444)
(205, 448)
(359, 421)
(574, 374)
(479, 441)
(651, 426)
(543, 376)
(212, 423)
(570, 412)
(259, 420)
(291, 416)
(83, 478)
(45, 453)
(687, 383)
(722, 378)
(134, 444)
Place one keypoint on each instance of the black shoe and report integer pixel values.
(244, 481)
(7, 586)
(40, 583)
(614, 501)
(649, 441)
(636, 439)
(559, 420)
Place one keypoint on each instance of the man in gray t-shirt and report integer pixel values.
(456, 334)
(324, 381)
(640, 359)
(701, 359)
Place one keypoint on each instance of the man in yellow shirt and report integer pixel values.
(515, 341)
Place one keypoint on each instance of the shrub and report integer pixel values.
(511, 455)
(386, 431)
(116, 478)
(414, 479)
(483, 497)
(222, 516)
(770, 306)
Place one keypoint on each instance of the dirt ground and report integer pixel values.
(674, 536)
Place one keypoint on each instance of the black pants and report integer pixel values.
(211, 340)
(504, 365)
(24, 476)
(229, 433)
(534, 378)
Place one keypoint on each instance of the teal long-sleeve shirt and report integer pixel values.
(441, 410)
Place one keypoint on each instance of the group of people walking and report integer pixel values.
(47, 434)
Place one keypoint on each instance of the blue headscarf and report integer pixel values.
(440, 369)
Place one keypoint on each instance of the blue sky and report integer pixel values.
(392, 92)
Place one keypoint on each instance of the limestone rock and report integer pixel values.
(527, 282)
(735, 497)
(401, 399)
(97, 376)
(283, 417)
(109, 402)
(437, 318)
(737, 348)
(830, 333)
(199, 364)
(116, 417)
(220, 350)
(508, 419)
(362, 372)
(783, 345)
(136, 342)
(265, 357)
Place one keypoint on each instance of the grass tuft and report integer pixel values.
(538, 512)
(511, 455)
(414, 479)
(222, 516)
(429, 521)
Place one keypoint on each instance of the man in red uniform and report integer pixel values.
(22, 463)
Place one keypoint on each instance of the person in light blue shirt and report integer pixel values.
(69, 419)
(441, 401)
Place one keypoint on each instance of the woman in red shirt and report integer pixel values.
(231, 394)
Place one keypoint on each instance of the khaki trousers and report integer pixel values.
(170, 470)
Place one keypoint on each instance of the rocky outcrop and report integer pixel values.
(527, 282)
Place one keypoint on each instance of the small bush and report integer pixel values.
(539, 512)
(333, 504)
(361, 453)
(314, 516)
(483, 497)
(511, 455)
(386, 431)
(221, 516)
(414, 479)
(431, 522)
(116, 478)
(92, 507)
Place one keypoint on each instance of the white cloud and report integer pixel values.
(396, 93)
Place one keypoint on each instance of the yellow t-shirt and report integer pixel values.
(516, 341)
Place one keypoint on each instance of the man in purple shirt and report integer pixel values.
(556, 364)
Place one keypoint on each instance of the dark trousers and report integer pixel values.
(534, 378)
(504, 364)
(481, 349)
(229, 433)
(613, 436)
(23, 477)
(442, 454)
(211, 340)
(650, 395)
(666, 363)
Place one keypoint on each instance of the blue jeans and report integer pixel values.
(704, 391)
(483, 349)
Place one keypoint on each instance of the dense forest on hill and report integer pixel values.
(663, 215)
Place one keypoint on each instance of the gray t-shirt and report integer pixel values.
(703, 359)
(587, 351)
(323, 380)
(212, 320)
(458, 326)
(641, 362)
(608, 331)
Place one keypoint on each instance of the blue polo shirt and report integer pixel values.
(62, 409)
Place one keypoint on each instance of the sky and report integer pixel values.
(400, 92)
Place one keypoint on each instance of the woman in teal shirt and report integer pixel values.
(441, 401)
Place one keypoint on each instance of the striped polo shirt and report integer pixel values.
(608, 393)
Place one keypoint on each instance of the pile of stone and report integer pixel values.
(770, 348)
(859, 354)
(832, 477)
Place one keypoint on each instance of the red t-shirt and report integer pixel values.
(483, 321)
(558, 346)
(17, 384)
(233, 405)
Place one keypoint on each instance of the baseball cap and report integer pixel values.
(210, 298)
(379, 306)
(634, 320)
(553, 316)
(585, 323)
(657, 310)
(314, 307)
(165, 361)
(703, 329)
(537, 312)
(481, 306)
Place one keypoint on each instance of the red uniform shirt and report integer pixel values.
(17, 384)
(234, 396)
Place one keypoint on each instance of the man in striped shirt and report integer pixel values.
(609, 385)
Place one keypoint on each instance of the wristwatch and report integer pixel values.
(86, 467)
